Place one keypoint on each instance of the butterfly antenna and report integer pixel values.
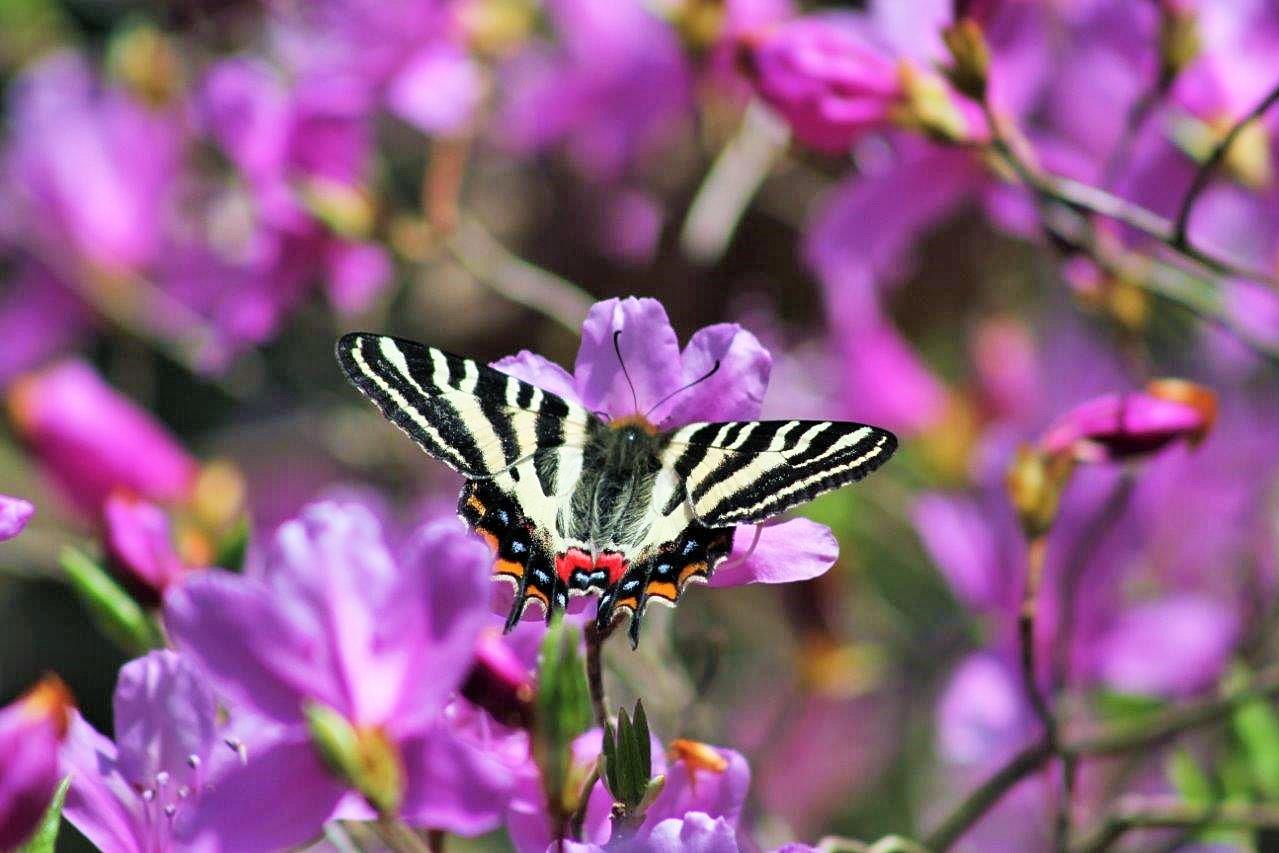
(707, 375)
(618, 349)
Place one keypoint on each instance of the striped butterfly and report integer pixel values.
(573, 504)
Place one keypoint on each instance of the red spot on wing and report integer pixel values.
(572, 560)
(614, 563)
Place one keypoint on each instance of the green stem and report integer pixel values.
(1143, 815)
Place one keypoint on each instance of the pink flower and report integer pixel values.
(14, 515)
(30, 730)
(92, 440)
(827, 78)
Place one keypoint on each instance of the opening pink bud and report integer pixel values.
(1124, 426)
(827, 80)
(30, 730)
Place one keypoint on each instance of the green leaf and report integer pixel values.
(562, 712)
(1115, 707)
(113, 610)
(46, 835)
(1189, 779)
(611, 778)
(642, 738)
(1257, 728)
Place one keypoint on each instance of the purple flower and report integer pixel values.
(14, 515)
(826, 77)
(330, 620)
(700, 780)
(791, 551)
(613, 87)
(132, 795)
(91, 169)
(1143, 654)
(30, 731)
(40, 317)
(59, 412)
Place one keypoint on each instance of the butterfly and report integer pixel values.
(572, 503)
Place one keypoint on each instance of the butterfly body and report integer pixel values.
(572, 504)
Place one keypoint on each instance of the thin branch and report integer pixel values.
(1037, 553)
(1156, 728)
(1142, 814)
(1180, 237)
(986, 795)
(595, 671)
(495, 266)
(731, 183)
(1086, 197)
(578, 820)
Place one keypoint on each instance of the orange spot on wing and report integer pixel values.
(690, 570)
(665, 590)
(488, 537)
(509, 567)
(476, 504)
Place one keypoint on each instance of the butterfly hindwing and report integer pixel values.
(743, 472)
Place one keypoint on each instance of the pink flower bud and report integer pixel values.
(92, 440)
(1123, 426)
(139, 540)
(827, 80)
(30, 730)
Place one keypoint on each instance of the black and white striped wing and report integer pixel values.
(741, 472)
(477, 420)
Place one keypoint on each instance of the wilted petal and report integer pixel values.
(734, 392)
(140, 542)
(454, 785)
(539, 371)
(1173, 647)
(30, 730)
(164, 713)
(649, 350)
(795, 550)
(280, 798)
(99, 802)
(695, 833)
(234, 629)
(14, 515)
(60, 411)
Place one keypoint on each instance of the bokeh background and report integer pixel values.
(197, 198)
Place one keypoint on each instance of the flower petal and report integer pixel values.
(233, 629)
(649, 350)
(437, 90)
(278, 799)
(99, 802)
(735, 392)
(1173, 647)
(14, 515)
(795, 550)
(539, 371)
(449, 572)
(140, 541)
(454, 785)
(718, 793)
(164, 713)
(695, 833)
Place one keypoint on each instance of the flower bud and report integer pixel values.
(1125, 426)
(971, 55)
(562, 711)
(829, 83)
(30, 730)
(14, 515)
(139, 543)
(499, 683)
(1035, 482)
(93, 440)
(365, 758)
